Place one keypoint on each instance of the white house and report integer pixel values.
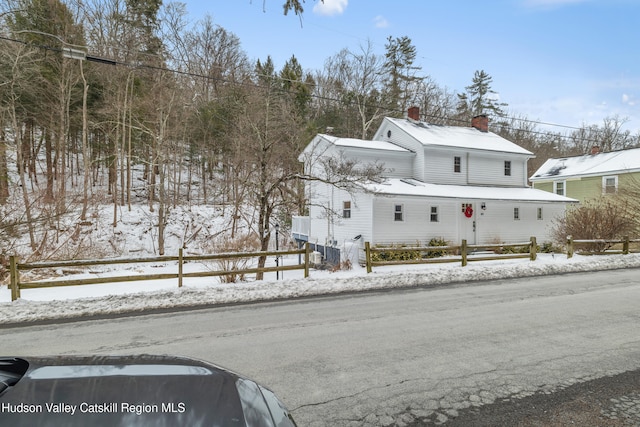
(443, 182)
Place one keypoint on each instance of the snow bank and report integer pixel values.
(65, 304)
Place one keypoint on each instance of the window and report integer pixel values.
(434, 214)
(516, 213)
(558, 188)
(609, 184)
(457, 164)
(346, 209)
(507, 168)
(397, 212)
(539, 214)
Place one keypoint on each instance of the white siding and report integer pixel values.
(327, 227)
(438, 167)
(396, 165)
(496, 223)
(489, 170)
(416, 227)
(404, 140)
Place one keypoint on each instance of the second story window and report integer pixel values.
(397, 213)
(516, 213)
(609, 184)
(507, 168)
(558, 188)
(540, 214)
(346, 209)
(457, 164)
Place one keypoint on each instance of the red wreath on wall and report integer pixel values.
(468, 212)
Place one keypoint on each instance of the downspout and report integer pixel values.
(467, 168)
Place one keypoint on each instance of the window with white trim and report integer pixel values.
(434, 214)
(507, 168)
(457, 164)
(559, 188)
(609, 184)
(540, 214)
(397, 213)
(346, 209)
(516, 214)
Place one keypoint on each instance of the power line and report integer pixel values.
(315, 96)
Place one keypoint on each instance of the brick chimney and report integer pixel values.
(595, 150)
(414, 113)
(481, 123)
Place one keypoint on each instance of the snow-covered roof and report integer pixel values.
(361, 143)
(412, 187)
(455, 136)
(589, 165)
(321, 142)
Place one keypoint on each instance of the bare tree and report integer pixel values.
(608, 137)
(358, 77)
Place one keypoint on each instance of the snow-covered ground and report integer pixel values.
(79, 301)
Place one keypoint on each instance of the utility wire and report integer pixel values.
(315, 96)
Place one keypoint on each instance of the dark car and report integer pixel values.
(132, 391)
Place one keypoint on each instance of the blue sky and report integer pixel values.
(570, 62)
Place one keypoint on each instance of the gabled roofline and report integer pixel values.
(607, 156)
(391, 120)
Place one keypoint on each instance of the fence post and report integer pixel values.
(367, 252)
(180, 262)
(463, 252)
(625, 245)
(533, 251)
(13, 270)
(569, 246)
(307, 250)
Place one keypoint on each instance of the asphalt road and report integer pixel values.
(391, 358)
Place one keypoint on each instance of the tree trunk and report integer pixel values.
(85, 148)
(4, 170)
(48, 148)
(161, 212)
(23, 184)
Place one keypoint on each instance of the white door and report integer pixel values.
(467, 223)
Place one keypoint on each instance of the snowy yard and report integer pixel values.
(78, 301)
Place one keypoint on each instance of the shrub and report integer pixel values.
(407, 255)
(603, 218)
(437, 241)
(513, 250)
(548, 248)
(244, 243)
(343, 265)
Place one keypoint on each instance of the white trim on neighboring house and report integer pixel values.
(605, 186)
(563, 191)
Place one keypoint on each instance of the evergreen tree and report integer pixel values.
(399, 59)
(292, 78)
(481, 96)
(463, 109)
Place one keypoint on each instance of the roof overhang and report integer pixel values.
(414, 188)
